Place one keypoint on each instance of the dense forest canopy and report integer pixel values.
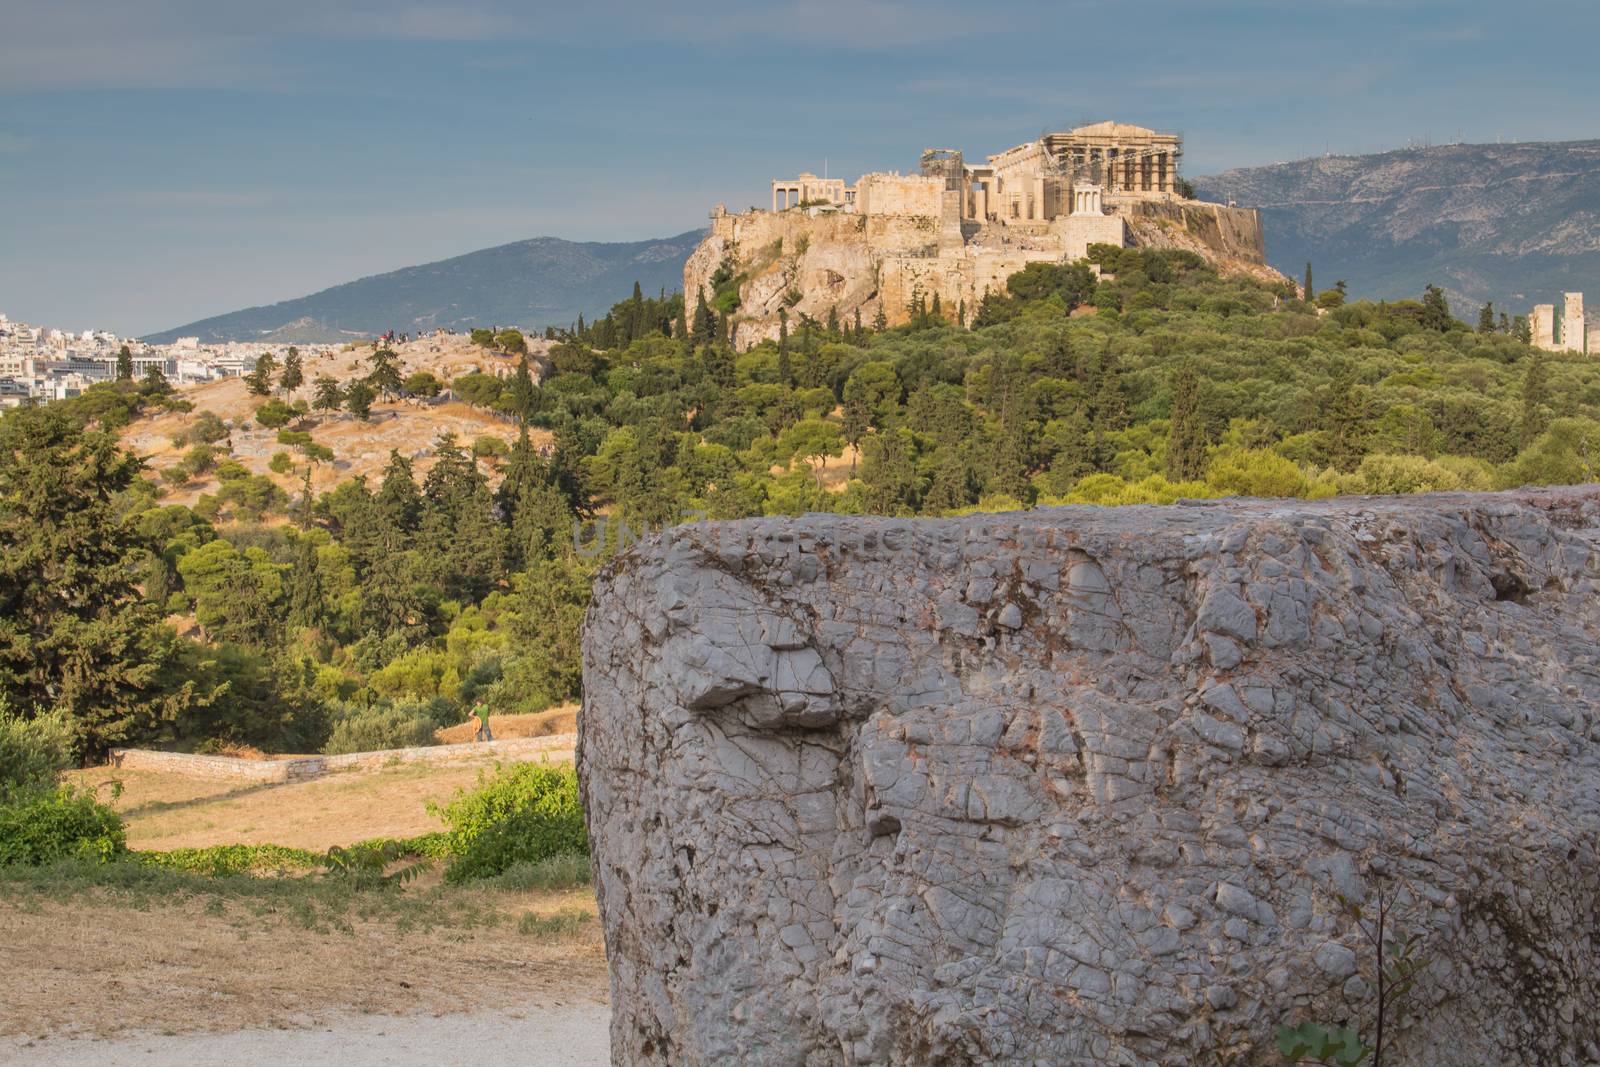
(376, 612)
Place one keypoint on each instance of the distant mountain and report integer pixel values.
(1517, 224)
(531, 284)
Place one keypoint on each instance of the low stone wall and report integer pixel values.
(299, 768)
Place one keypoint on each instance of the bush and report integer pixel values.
(42, 827)
(32, 751)
(218, 860)
(525, 813)
(377, 728)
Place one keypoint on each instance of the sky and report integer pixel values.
(165, 160)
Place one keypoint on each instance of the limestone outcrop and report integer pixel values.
(1084, 786)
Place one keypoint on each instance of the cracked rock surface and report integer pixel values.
(1082, 785)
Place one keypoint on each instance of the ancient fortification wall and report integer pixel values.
(1084, 785)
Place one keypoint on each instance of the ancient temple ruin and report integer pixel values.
(955, 230)
(1568, 332)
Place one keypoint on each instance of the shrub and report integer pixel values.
(218, 860)
(525, 813)
(42, 827)
(274, 413)
(32, 751)
(377, 728)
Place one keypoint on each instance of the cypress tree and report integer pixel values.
(124, 364)
(1186, 440)
(1535, 395)
(1486, 318)
(1311, 294)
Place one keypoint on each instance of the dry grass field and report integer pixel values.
(158, 953)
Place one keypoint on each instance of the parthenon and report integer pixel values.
(1032, 182)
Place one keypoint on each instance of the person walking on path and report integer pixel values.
(481, 710)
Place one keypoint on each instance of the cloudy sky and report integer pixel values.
(163, 160)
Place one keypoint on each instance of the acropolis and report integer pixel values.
(957, 230)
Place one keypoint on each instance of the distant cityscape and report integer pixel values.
(43, 364)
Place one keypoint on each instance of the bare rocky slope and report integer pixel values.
(1084, 785)
(1516, 224)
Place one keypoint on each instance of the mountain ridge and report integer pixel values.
(534, 283)
(1516, 224)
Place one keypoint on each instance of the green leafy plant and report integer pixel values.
(368, 864)
(1310, 1043)
(40, 828)
(525, 813)
(1398, 960)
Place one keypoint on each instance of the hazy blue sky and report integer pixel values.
(162, 160)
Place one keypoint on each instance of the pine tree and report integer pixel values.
(124, 364)
(384, 375)
(1344, 420)
(293, 375)
(259, 380)
(1535, 396)
(857, 421)
(1186, 439)
(358, 397)
(74, 631)
(952, 485)
(327, 396)
(1435, 309)
(398, 501)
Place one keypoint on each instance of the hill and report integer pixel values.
(361, 447)
(1516, 223)
(532, 284)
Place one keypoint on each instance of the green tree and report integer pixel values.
(358, 397)
(892, 484)
(293, 375)
(812, 440)
(1186, 439)
(327, 396)
(259, 380)
(1486, 318)
(1310, 293)
(236, 594)
(124, 364)
(1535, 397)
(1435, 310)
(423, 383)
(75, 633)
(383, 373)
(857, 421)
(524, 394)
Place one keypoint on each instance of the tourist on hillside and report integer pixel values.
(481, 710)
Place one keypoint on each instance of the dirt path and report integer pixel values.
(569, 1035)
(101, 969)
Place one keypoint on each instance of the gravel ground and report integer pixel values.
(571, 1036)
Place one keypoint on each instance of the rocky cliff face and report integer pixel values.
(848, 264)
(1516, 224)
(1083, 785)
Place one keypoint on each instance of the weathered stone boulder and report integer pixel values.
(1084, 785)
